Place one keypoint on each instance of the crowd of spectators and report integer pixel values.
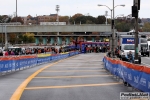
(96, 49)
(30, 51)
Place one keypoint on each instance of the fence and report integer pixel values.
(137, 76)
(14, 63)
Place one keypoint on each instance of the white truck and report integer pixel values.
(125, 45)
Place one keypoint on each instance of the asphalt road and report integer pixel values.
(81, 77)
(146, 61)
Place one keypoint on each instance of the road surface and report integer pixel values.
(81, 77)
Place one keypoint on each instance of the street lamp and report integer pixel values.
(112, 24)
(2, 33)
(57, 20)
(16, 11)
(110, 8)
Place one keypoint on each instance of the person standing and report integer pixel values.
(1, 53)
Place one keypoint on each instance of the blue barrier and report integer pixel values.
(17, 64)
(137, 79)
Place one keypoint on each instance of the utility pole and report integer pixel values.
(135, 8)
(106, 14)
(16, 11)
(57, 20)
(113, 34)
(2, 36)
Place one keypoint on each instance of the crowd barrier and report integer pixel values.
(14, 63)
(137, 76)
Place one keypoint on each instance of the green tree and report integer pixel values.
(31, 39)
(146, 27)
(12, 38)
(101, 20)
(25, 38)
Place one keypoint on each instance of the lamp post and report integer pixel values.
(57, 20)
(106, 14)
(16, 11)
(2, 35)
(112, 26)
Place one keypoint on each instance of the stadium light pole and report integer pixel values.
(112, 25)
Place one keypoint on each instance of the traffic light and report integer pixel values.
(134, 11)
(136, 3)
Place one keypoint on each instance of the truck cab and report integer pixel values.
(126, 45)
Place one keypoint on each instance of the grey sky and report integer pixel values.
(71, 7)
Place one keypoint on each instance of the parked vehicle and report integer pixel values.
(144, 47)
(126, 44)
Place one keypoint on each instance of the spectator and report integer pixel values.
(1, 53)
(6, 53)
(12, 53)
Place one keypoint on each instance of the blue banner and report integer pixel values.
(128, 40)
(137, 79)
(17, 64)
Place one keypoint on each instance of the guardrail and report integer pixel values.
(10, 64)
(134, 75)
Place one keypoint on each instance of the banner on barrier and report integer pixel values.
(12, 63)
(135, 75)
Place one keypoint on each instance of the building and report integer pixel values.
(30, 20)
(47, 18)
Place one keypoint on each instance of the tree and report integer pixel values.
(81, 19)
(28, 38)
(73, 18)
(12, 38)
(146, 27)
(101, 20)
(31, 39)
(25, 38)
(77, 15)
(64, 19)
(5, 19)
(123, 26)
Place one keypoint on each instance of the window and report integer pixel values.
(129, 47)
(143, 40)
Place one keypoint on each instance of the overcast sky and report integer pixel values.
(71, 7)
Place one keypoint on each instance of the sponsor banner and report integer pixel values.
(43, 55)
(12, 63)
(135, 75)
(128, 40)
